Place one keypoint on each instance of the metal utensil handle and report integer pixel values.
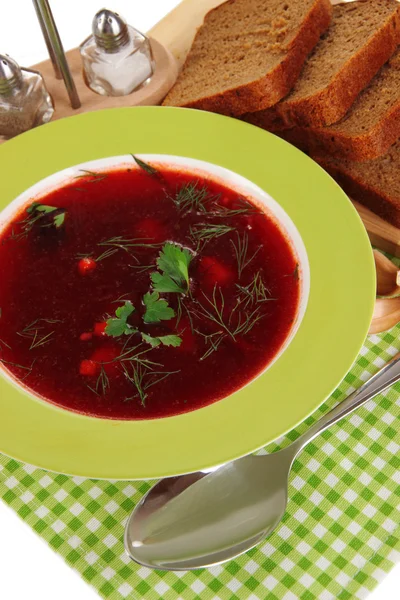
(53, 39)
(50, 48)
(386, 377)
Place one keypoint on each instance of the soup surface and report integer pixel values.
(143, 292)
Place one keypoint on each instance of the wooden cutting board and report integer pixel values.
(176, 31)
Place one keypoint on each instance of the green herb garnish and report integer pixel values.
(118, 242)
(164, 284)
(18, 366)
(145, 166)
(36, 207)
(156, 309)
(36, 332)
(3, 343)
(241, 248)
(237, 322)
(143, 378)
(106, 254)
(192, 197)
(241, 207)
(165, 340)
(96, 177)
(103, 382)
(39, 340)
(59, 219)
(141, 268)
(43, 215)
(295, 273)
(119, 325)
(255, 292)
(201, 233)
(213, 341)
(173, 262)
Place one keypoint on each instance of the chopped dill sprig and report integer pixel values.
(18, 366)
(241, 249)
(106, 254)
(145, 166)
(239, 322)
(142, 268)
(39, 340)
(142, 378)
(36, 332)
(126, 244)
(3, 343)
(201, 233)
(102, 383)
(243, 208)
(212, 340)
(122, 298)
(96, 177)
(255, 292)
(193, 197)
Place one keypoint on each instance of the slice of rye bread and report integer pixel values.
(375, 183)
(362, 37)
(248, 54)
(367, 131)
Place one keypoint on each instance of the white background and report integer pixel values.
(29, 570)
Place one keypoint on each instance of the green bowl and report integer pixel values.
(321, 351)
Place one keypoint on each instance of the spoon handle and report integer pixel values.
(386, 377)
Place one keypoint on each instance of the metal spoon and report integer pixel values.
(198, 520)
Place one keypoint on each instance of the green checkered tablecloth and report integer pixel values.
(338, 539)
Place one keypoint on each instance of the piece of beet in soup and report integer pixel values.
(143, 292)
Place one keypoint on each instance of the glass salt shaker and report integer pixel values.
(117, 58)
(24, 99)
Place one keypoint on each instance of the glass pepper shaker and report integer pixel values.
(24, 99)
(117, 58)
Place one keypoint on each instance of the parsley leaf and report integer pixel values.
(156, 309)
(164, 283)
(174, 263)
(59, 219)
(37, 207)
(119, 325)
(165, 340)
(38, 211)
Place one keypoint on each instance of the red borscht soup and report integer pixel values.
(143, 292)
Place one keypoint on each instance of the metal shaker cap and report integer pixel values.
(110, 30)
(10, 75)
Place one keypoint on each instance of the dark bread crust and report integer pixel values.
(377, 197)
(358, 148)
(329, 105)
(366, 132)
(277, 83)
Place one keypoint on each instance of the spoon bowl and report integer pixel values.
(187, 516)
(202, 519)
